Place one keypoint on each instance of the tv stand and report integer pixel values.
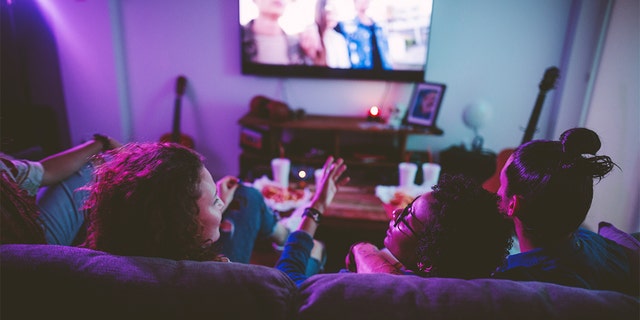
(371, 150)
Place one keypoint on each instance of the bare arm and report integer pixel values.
(369, 259)
(61, 165)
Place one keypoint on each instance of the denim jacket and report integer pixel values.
(358, 38)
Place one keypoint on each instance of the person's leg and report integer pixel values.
(60, 206)
(246, 219)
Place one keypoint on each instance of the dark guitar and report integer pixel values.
(548, 82)
(175, 135)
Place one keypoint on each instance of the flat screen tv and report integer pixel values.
(348, 39)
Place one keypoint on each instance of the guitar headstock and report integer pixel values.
(549, 80)
(181, 85)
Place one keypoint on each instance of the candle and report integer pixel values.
(374, 114)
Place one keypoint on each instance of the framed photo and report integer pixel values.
(425, 104)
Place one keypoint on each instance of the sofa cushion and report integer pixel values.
(49, 281)
(383, 296)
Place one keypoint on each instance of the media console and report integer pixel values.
(371, 150)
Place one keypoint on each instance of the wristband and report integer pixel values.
(313, 214)
(106, 144)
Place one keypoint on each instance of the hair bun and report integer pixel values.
(580, 141)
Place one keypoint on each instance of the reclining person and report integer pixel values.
(454, 231)
(50, 197)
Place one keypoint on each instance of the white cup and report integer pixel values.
(430, 173)
(280, 168)
(407, 174)
(318, 175)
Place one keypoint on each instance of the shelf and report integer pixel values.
(371, 150)
(336, 124)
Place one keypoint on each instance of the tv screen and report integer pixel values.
(349, 39)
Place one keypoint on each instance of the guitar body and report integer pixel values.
(548, 82)
(493, 183)
(183, 139)
(175, 135)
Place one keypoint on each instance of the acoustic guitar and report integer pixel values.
(548, 82)
(175, 135)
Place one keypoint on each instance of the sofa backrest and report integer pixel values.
(51, 282)
(58, 282)
(385, 297)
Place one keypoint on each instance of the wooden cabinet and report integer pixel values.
(371, 150)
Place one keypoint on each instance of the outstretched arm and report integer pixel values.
(297, 250)
(60, 166)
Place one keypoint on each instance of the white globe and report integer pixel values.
(476, 115)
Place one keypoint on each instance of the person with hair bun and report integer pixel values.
(546, 188)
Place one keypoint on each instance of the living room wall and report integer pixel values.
(120, 59)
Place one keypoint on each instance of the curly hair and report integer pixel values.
(143, 201)
(554, 180)
(466, 236)
(20, 216)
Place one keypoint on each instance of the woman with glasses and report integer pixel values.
(455, 231)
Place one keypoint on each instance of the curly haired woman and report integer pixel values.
(159, 200)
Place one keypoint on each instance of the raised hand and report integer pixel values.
(328, 186)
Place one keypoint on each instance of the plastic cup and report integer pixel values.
(407, 174)
(431, 174)
(280, 168)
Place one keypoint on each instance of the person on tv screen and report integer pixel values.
(332, 44)
(366, 40)
(264, 41)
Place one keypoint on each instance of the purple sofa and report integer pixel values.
(47, 281)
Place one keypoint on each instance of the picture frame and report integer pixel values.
(425, 104)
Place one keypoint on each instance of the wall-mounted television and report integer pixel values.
(347, 39)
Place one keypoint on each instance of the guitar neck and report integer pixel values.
(175, 132)
(533, 120)
(547, 83)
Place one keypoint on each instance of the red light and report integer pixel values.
(374, 111)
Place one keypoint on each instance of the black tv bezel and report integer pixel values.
(304, 71)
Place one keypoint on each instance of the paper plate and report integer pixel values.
(276, 198)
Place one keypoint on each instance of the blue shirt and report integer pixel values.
(586, 260)
(295, 256)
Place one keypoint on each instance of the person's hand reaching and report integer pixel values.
(227, 187)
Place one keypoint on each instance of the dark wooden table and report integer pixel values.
(355, 215)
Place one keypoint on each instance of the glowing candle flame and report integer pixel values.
(374, 111)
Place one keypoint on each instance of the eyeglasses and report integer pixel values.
(408, 210)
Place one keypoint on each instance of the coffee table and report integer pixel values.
(355, 215)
